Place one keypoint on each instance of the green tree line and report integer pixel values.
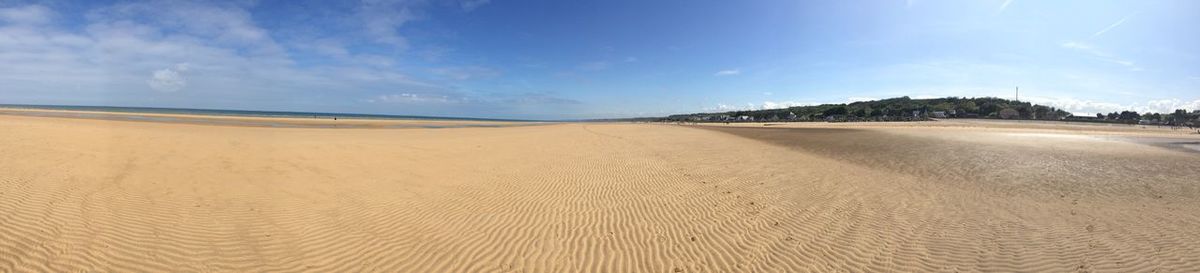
(905, 109)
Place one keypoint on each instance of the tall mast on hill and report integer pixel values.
(1018, 94)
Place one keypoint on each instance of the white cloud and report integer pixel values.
(214, 55)
(122, 51)
(728, 72)
(1091, 107)
(1169, 105)
(631, 59)
(167, 80)
(783, 104)
(721, 107)
(413, 98)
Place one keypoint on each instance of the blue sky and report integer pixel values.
(595, 59)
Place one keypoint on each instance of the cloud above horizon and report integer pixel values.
(192, 52)
(169, 79)
(1089, 107)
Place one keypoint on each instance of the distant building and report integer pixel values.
(938, 114)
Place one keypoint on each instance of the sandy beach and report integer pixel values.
(96, 194)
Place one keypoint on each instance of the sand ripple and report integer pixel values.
(82, 195)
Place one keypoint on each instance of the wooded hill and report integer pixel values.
(906, 109)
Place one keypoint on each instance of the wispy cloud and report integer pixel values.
(214, 56)
(466, 72)
(594, 66)
(538, 98)
(32, 14)
(1004, 6)
(1080, 46)
(470, 5)
(728, 72)
(605, 63)
(381, 19)
(414, 98)
(1112, 26)
(1100, 54)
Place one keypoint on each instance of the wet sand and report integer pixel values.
(992, 125)
(114, 195)
(274, 122)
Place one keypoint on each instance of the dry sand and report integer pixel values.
(120, 196)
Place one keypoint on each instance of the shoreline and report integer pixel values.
(350, 122)
(238, 113)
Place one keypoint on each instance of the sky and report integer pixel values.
(595, 59)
